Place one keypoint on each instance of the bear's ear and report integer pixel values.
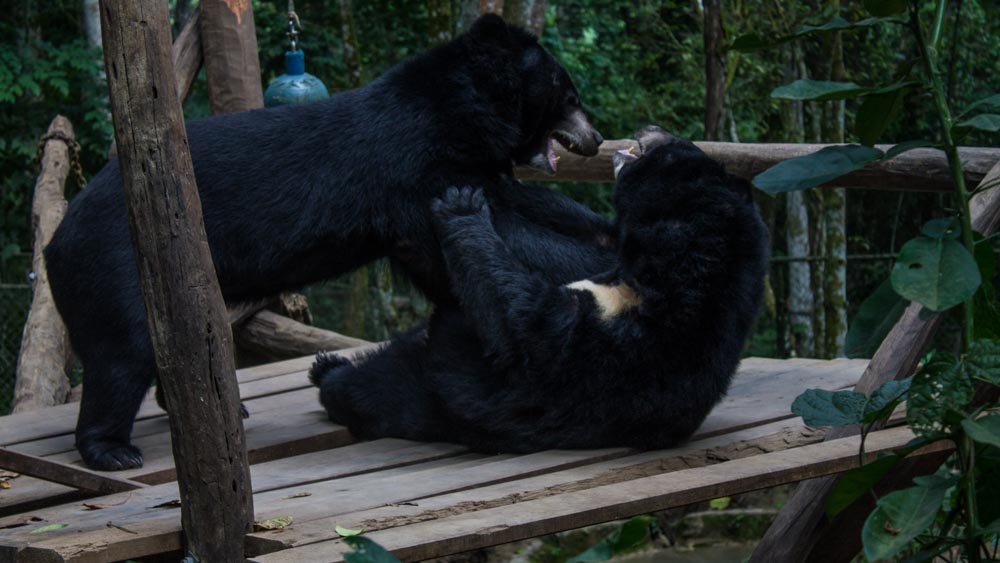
(490, 28)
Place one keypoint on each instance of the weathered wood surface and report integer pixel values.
(187, 56)
(229, 44)
(41, 365)
(388, 483)
(916, 170)
(267, 332)
(802, 522)
(186, 314)
(492, 526)
(65, 474)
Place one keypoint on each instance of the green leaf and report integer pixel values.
(900, 148)
(945, 227)
(815, 169)
(985, 430)
(873, 321)
(754, 41)
(877, 111)
(367, 551)
(819, 407)
(818, 90)
(985, 306)
(941, 386)
(721, 503)
(898, 519)
(983, 122)
(601, 551)
(884, 8)
(991, 102)
(884, 399)
(938, 273)
(347, 532)
(983, 360)
(48, 528)
(633, 533)
(856, 482)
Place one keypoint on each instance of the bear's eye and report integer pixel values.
(573, 100)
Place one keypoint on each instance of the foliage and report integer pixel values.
(939, 270)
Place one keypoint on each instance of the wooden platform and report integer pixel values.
(419, 500)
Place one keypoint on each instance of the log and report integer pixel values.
(230, 48)
(802, 526)
(41, 376)
(65, 474)
(187, 55)
(186, 314)
(920, 170)
(279, 337)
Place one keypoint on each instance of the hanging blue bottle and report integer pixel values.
(296, 86)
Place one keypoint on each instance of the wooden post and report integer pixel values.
(231, 63)
(186, 314)
(802, 524)
(715, 69)
(41, 376)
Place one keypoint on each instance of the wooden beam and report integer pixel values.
(277, 336)
(41, 365)
(802, 522)
(231, 63)
(923, 170)
(65, 474)
(186, 314)
(187, 55)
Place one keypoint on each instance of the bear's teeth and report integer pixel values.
(550, 153)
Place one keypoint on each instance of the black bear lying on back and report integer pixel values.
(636, 357)
(298, 194)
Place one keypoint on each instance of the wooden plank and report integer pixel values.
(744, 443)
(141, 507)
(65, 474)
(923, 170)
(483, 528)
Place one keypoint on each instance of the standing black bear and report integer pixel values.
(294, 195)
(635, 357)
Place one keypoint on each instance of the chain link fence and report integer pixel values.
(15, 300)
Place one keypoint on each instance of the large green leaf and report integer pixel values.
(900, 148)
(884, 8)
(938, 273)
(873, 321)
(985, 306)
(988, 103)
(883, 400)
(898, 519)
(875, 114)
(983, 360)
(983, 122)
(819, 407)
(367, 551)
(754, 41)
(985, 430)
(856, 482)
(634, 533)
(811, 170)
(818, 90)
(942, 386)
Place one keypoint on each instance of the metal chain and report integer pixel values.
(74, 154)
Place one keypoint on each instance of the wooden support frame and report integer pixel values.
(66, 474)
(186, 315)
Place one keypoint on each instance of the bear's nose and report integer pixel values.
(598, 139)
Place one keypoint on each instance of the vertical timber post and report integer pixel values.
(232, 67)
(185, 311)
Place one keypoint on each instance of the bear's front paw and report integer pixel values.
(461, 203)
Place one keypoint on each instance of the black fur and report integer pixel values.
(297, 194)
(551, 373)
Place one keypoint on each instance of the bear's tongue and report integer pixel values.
(550, 154)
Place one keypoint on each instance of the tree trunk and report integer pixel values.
(186, 315)
(41, 376)
(232, 68)
(529, 14)
(834, 216)
(800, 298)
(92, 22)
(715, 69)
(348, 33)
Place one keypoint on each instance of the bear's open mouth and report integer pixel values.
(623, 157)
